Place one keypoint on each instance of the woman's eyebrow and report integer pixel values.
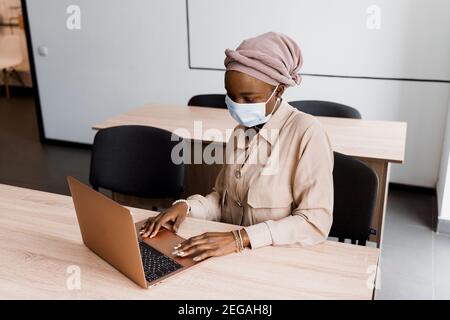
(248, 93)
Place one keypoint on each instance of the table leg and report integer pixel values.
(382, 169)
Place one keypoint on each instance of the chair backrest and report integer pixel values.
(208, 100)
(136, 161)
(10, 51)
(355, 193)
(326, 109)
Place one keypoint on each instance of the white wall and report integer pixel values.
(127, 55)
(333, 35)
(443, 185)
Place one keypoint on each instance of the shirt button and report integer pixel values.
(238, 174)
(239, 203)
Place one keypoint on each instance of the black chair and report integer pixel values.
(208, 100)
(326, 109)
(355, 193)
(136, 161)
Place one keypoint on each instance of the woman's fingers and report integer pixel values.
(177, 223)
(194, 250)
(157, 225)
(152, 226)
(145, 225)
(206, 245)
(205, 254)
(148, 229)
(196, 245)
(192, 241)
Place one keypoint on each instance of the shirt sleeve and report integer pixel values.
(208, 207)
(310, 221)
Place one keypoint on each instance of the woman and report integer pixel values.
(292, 203)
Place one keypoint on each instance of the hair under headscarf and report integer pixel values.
(270, 57)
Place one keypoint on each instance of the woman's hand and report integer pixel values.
(210, 244)
(176, 213)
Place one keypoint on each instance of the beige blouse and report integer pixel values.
(276, 182)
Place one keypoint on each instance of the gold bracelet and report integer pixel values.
(241, 241)
(236, 240)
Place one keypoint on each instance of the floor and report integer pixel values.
(415, 262)
(24, 161)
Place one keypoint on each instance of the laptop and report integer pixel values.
(107, 228)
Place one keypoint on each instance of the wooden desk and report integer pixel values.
(377, 143)
(40, 239)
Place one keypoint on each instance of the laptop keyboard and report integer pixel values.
(156, 264)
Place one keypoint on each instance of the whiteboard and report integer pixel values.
(411, 42)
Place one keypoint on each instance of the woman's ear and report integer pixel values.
(280, 90)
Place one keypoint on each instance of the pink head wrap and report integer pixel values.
(271, 57)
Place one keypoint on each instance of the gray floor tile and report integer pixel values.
(406, 264)
(409, 209)
(441, 267)
(404, 236)
(398, 287)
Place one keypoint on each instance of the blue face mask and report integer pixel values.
(249, 114)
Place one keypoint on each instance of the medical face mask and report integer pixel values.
(249, 114)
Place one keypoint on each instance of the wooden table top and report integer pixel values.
(40, 240)
(382, 140)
